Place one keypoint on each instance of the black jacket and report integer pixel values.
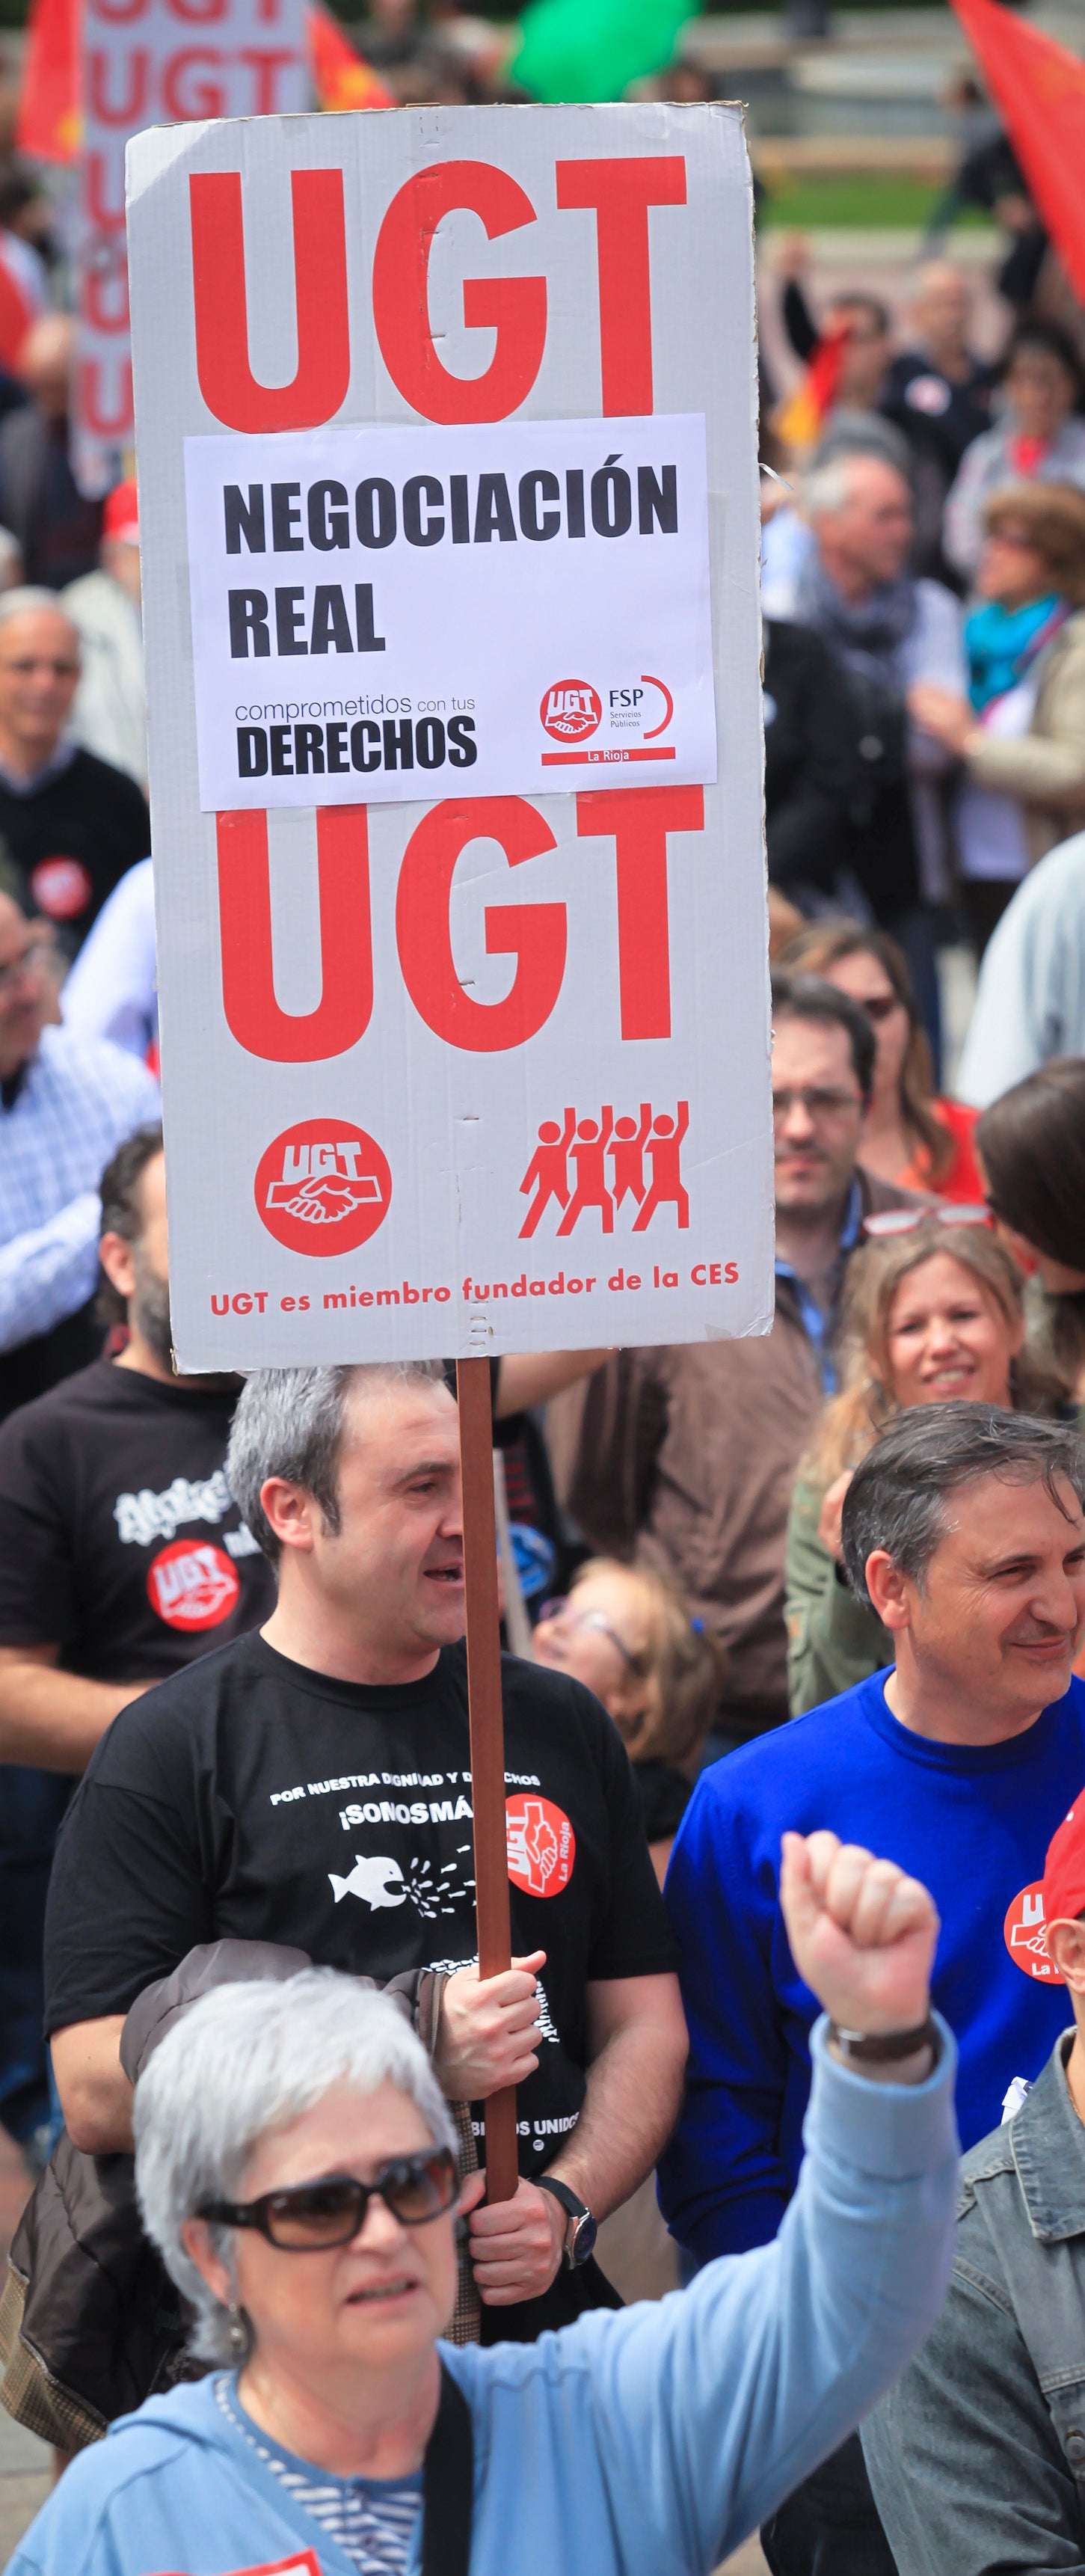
(810, 759)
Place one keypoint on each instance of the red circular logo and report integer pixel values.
(1024, 1930)
(192, 1585)
(61, 888)
(571, 710)
(541, 1845)
(323, 1187)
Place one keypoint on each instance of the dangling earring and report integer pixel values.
(238, 2336)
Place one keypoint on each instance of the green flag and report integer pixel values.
(592, 49)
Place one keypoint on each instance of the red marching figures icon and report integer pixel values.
(627, 1155)
(665, 1148)
(588, 1152)
(586, 1143)
(549, 1168)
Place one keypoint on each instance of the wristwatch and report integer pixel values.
(581, 2229)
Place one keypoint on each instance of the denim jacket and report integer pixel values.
(977, 2456)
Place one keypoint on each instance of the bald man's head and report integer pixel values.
(942, 309)
(39, 671)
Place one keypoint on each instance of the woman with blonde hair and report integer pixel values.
(935, 1314)
(626, 1633)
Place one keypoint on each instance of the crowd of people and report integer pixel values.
(795, 1724)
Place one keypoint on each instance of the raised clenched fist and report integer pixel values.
(862, 1934)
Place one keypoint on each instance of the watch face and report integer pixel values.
(582, 2235)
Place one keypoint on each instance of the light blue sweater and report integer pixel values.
(643, 2442)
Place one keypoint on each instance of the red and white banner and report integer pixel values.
(462, 1072)
(154, 62)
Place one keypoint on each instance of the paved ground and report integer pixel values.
(25, 2464)
(26, 2479)
(746, 2562)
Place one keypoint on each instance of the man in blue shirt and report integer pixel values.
(964, 1528)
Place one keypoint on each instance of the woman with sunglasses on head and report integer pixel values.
(295, 2170)
(909, 1136)
(625, 1632)
(935, 1315)
(1032, 1146)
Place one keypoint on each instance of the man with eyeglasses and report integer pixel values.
(65, 1104)
(685, 1457)
(71, 824)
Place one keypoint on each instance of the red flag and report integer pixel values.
(48, 123)
(1039, 90)
(340, 77)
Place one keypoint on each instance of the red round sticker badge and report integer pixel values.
(323, 1186)
(541, 1845)
(192, 1585)
(1024, 1930)
(61, 888)
(571, 710)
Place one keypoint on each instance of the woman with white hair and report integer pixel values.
(295, 2168)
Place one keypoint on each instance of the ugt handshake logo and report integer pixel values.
(589, 1144)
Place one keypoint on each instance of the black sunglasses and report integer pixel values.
(311, 2215)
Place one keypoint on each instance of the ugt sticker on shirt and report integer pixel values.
(387, 614)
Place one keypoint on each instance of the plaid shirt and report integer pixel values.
(77, 1101)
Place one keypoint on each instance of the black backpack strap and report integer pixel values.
(448, 2484)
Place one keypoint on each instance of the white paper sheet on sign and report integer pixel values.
(388, 609)
(446, 447)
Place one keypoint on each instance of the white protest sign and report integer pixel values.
(153, 62)
(485, 569)
(485, 1070)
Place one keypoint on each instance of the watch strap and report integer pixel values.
(886, 2047)
(571, 2204)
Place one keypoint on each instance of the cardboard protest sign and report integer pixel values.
(153, 62)
(464, 1044)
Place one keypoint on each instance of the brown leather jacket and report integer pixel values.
(684, 1458)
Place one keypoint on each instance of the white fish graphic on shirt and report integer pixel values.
(379, 1882)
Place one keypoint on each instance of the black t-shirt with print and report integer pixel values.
(252, 1797)
(119, 1538)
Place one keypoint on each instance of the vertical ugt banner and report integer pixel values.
(447, 457)
(154, 62)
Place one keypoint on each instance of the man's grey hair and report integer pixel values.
(27, 598)
(291, 1423)
(897, 1497)
(245, 2061)
(827, 488)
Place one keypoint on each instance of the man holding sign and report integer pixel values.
(312, 1787)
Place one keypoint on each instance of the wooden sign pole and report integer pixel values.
(487, 1733)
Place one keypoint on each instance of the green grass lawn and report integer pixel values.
(860, 200)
